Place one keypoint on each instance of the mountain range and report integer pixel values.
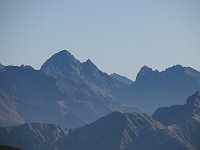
(116, 131)
(64, 91)
(71, 93)
(153, 89)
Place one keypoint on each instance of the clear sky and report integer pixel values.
(117, 35)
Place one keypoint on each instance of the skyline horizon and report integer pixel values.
(123, 74)
(118, 36)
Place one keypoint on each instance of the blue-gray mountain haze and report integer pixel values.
(71, 94)
(116, 131)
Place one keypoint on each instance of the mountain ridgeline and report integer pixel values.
(116, 131)
(63, 64)
(64, 91)
(122, 79)
(153, 89)
(71, 93)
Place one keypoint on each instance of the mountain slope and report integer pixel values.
(63, 64)
(125, 132)
(178, 113)
(36, 97)
(122, 79)
(153, 89)
(32, 136)
(64, 91)
(185, 117)
(71, 93)
(8, 111)
(116, 131)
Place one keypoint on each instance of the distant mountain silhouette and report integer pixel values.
(178, 113)
(71, 93)
(119, 131)
(122, 79)
(184, 117)
(153, 89)
(64, 91)
(116, 131)
(63, 64)
(33, 97)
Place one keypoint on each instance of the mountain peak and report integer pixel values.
(146, 68)
(61, 64)
(88, 61)
(146, 74)
(89, 65)
(63, 53)
(175, 68)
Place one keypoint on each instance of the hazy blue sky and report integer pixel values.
(117, 35)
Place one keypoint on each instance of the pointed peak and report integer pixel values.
(62, 57)
(63, 53)
(62, 63)
(90, 64)
(88, 61)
